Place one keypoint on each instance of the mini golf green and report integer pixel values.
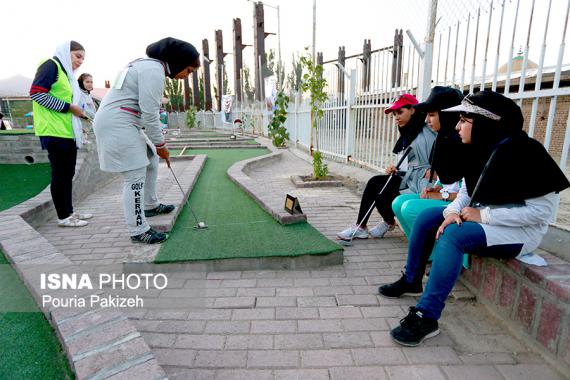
(29, 348)
(21, 182)
(237, 226)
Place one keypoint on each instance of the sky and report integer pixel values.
(117, 32)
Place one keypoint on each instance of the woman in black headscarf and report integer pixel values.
(497, 213)
(129, 134)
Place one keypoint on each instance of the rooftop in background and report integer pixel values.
(16, 86)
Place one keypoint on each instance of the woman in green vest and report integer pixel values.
(55, 94)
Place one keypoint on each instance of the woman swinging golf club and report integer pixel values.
(133, 104)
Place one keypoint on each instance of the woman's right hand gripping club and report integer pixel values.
(164, 154)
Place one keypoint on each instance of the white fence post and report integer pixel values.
(425, 81)
(350, 127)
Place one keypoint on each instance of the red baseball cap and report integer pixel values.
(403, 100)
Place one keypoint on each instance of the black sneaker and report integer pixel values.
(414, 329)
(160, 209)
(400, 288)
(150, 237)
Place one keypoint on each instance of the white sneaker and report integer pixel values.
(360, 233)
(71, 221)
(380, 230)
(82, 216)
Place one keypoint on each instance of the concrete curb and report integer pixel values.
(255, 189)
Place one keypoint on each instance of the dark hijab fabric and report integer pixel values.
(410, 131)
(501, 155)
(176, 53)
(447, 149)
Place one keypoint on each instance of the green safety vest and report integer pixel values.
(52, 123)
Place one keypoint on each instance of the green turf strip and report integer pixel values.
(10, 132)
(238, 227)
(29, 348)
(21, 182)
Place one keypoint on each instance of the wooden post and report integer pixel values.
(219, 68)
(207, 88)
(196, 90)
(186, 94)
(238, 61)
(342, 62)
(259, 49)
(397, 58)
(366, 64)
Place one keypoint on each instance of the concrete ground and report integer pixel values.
(306, 324)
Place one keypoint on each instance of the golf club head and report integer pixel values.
(345, 243)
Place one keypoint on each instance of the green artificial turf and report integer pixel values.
(17, 132)
(237, 226)
(29, 348)
(21, 182)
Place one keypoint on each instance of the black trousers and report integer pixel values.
(62, 154)
(383, 201)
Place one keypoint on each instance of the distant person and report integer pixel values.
(56, 96)
(2, 126)
(129, 134)
(410, 178)
(85, 82)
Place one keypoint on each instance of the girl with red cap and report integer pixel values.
(410, 178)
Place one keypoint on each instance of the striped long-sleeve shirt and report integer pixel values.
(45, 77)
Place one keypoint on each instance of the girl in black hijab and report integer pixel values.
(497, 213)
(129, 134)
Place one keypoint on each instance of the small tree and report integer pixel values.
(173, 91)
(247, 86)
(277, 131)
(191, 117)
(314, 83)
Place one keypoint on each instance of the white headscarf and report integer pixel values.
(63, 53)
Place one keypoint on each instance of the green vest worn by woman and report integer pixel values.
(52, 123)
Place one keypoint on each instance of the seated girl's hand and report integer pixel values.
(451, 218)
(391, 169)
(424, 194)
(471, 214)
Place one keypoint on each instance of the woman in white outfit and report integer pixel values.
(128, 132)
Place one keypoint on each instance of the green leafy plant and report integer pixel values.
(173, 91)
(314, 83)
(191, 117)
(277, 131)
(320, 169)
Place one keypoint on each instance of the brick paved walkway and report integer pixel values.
(315, 324)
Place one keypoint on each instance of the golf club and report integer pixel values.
(199, 225)
(348, 243)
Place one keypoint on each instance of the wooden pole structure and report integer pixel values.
(207, 87)
(238, 60)
(196, 90)
(259, 49)
(366, 64)
(219, 68)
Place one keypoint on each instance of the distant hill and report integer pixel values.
(17, 85)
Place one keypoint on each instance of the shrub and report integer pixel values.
(277, 131)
